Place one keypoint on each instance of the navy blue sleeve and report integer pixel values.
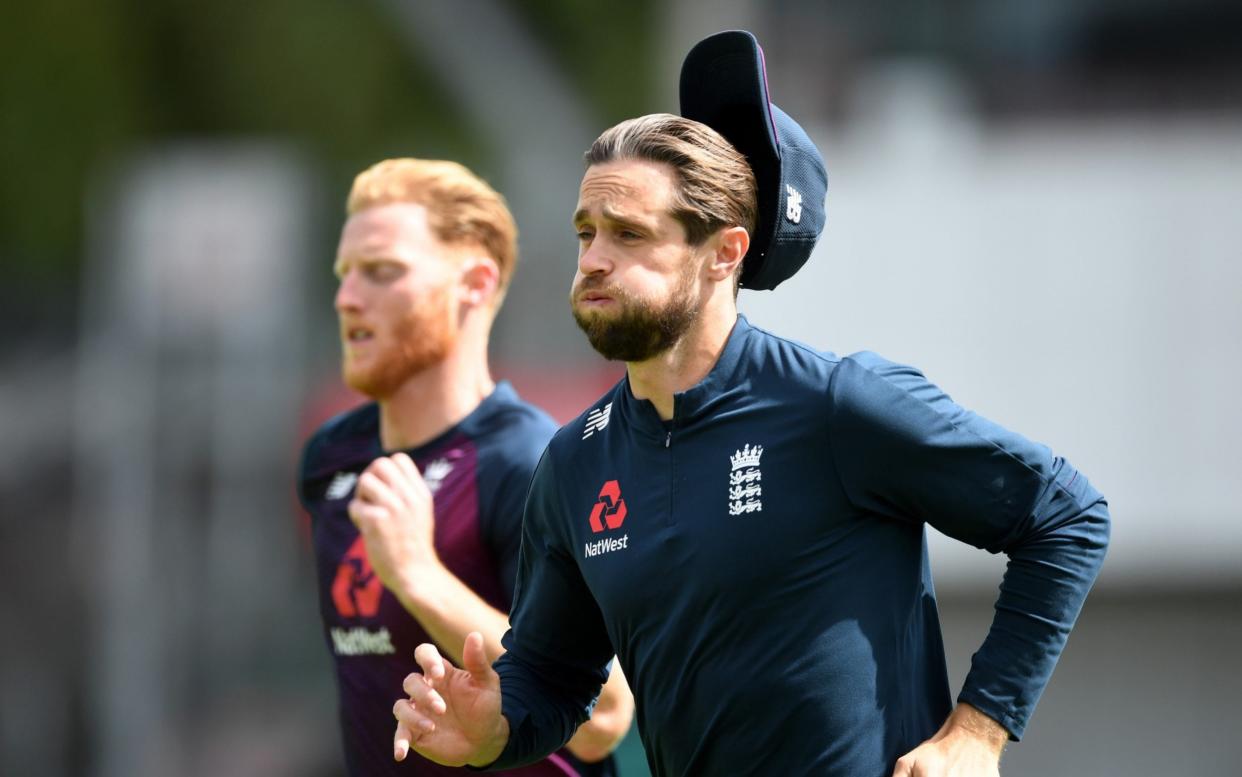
(558, 651)
(503, 485)
(905, 450)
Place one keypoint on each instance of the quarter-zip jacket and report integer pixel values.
(759, 565)
(478, 471)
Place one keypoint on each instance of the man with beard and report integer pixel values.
(747, 530)
(416, 497)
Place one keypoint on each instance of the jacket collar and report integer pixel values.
(725, 380)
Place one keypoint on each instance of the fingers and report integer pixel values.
(422, 695)
(366, 515)
(397, 470)
(407, 467)
(401, 742)
(474, 657)
(411, 724)
(393, 481)
(430, 661)
(406, 482)
(373, 488)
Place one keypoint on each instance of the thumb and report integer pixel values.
(474, 657)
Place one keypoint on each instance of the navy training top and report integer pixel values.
(478, 471)
(759, 566)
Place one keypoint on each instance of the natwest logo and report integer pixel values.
(356, 591)
(610, 509)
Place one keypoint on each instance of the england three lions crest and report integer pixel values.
(745, 481)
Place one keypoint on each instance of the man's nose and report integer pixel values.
(594, 259)
(347, 294)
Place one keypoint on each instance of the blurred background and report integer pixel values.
(1037, 202)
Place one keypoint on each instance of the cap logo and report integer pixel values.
(793, 204)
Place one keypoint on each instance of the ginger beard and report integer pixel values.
(420, 339)
(642, 328)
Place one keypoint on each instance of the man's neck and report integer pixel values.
(686, 363)
(435, 399)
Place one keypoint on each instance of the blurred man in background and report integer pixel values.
(416, 498)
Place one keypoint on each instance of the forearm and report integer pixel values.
(448, 610)
(544, 701)
(558, 648)
(610, 720)
(1049, 574)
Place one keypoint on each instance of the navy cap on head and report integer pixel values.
(725, 86)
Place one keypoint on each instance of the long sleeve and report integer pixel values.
(558, 651)
(905, 450)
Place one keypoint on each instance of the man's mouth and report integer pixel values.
(358, 334)
(595, 295)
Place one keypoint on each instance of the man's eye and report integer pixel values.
(585, 234)
(629, 234)
(381, 273)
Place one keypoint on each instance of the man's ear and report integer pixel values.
(729, 247)
(480, 280)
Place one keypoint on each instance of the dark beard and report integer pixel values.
(642, 330)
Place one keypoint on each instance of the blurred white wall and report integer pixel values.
(1078, 282)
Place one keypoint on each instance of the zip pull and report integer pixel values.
(667, 439)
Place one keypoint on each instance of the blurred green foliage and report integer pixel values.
(606, 50)
(86, 80)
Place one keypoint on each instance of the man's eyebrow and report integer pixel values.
(365, 260)
(615, 217)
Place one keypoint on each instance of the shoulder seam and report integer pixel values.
(1046, 480)
(830, 358)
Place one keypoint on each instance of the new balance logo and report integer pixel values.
(793, 204)
(744, 481)
(596, 420)
(341, 485)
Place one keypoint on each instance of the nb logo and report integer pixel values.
(793, 204)
(596, 420)
(341, 485)
(610, 509)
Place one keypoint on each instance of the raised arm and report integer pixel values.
(906, 450)
(547, 682)
(393, 510)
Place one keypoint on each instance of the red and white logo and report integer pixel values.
(610, 509)
(608, 513)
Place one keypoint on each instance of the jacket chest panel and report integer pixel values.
(713, 517)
